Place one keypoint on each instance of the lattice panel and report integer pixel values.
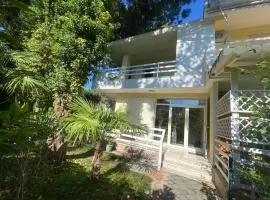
(224, 104)
(248, 131)
(249, 100)
(224, 127)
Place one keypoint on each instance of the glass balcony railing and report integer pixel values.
(215, 5)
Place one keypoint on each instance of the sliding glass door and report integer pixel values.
(196, 128)
(183, 121)
(177, 125)
(162, 118)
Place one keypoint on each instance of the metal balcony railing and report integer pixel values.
(215, 5)
(159, 69)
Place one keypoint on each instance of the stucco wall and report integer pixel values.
(121, 104)
(195, 53)
(212, 115)
(140, 110)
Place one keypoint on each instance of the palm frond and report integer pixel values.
(23, 82)
(91, 122)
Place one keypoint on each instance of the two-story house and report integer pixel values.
(187, 80)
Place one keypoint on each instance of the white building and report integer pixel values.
(187, 80)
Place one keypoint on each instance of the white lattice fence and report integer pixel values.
(246, 128)
(224, 127)
(248, 131)
(224, 104)
(250, 100)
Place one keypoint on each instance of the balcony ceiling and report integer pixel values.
(246, 17)
(239, 57)
(159, 45)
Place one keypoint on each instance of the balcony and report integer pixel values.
(215, 5)
(159, 69)
(147, 76)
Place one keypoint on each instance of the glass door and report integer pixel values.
(162, 118)
(187, 126)
(177, 125)
(183, 120)
(196, 129)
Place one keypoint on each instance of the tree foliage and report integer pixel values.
(89, 122)
(255, 171)
(63, 42)
(95, 123)
(140, 16)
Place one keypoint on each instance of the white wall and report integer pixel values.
(195, 52)
(140, 110)
(213, 121)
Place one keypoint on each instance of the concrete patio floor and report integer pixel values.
(169, 186)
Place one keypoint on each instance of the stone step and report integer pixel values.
(197, 165)
(183, 155)
(188, 172)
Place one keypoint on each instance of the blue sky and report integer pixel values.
(196, 14)
(196, 11)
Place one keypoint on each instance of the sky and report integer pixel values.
(196, 14)
(196, 11)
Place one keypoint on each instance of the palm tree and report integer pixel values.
(95, 123)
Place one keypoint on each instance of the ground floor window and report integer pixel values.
(183, 120)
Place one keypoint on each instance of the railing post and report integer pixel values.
(126, 60)
(161, 151)
(230, 178)
(160, 156)
(235, 115)
(157, 69)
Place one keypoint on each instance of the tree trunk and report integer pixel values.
(58, 147)
(96, 162)
(56, 144)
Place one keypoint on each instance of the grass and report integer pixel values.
(70, 180)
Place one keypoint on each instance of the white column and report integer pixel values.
(205, 127)
(169, 136)
(178, 45)
(126, 61)
(235, 115)
(215, 127)
(186, 129)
